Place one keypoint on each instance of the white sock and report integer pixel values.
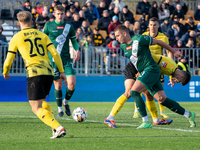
(59, 128)
(136, 110)
(110, 117)
(145, 119)
(60, 109)
(156, 120)
(65, 102)
(186, 114)
(162, 112)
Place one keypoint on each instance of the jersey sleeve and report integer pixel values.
(146, 40)
(72, 34)
(55, 55)
(12, 50)
(46, 29)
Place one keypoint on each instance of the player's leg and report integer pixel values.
(58, 96)
(71, 82)
(136, 112)
(138, 88)
(162, 108)
(175, 107)
(119, 103)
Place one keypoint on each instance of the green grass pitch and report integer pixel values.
(22, 130)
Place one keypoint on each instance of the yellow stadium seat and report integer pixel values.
(137, 17)
(190, 12)
(103, 33)
(95, 22)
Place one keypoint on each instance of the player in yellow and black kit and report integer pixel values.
(34, 45)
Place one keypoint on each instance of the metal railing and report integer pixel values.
(98, 61)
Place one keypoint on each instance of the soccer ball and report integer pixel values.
(79, 114)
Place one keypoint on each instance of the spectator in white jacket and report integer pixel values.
(163, 12)
(120, 4)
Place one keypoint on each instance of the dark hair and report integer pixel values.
(121, 28)
(187, 77)
(153, 19)
(160, 8)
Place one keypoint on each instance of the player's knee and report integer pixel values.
(134, 94)
(148, 96)
(127, 94)
(71, 85)
(161, 98)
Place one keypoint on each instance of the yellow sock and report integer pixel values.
(162, 108)
(151, 105)
(47, 117)
(118, 105)
(46, 106)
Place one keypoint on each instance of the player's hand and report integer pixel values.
(62, 76)
(77, 56)
(172, 82)
(6, 77)
(178, 54)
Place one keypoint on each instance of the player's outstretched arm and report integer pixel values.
(76, 47)
(7, 64)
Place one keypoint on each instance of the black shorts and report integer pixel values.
(38, 87)
(130, 72)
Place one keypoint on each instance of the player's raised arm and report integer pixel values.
(166, 46)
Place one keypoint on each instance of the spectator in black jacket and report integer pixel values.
(169, 6)
(104, 21)
(82, 16)
(27, 6)
(127, 25)
(184, 6)
(88, 15)
(76, 22)
(143, 25)
(143, 8)
(68, 16)
(66, 6)
(197, 12)
(187, 35)
(97, 38)
(115, 12)
(34, 16)
(110, 38)
(72, 9)
(190, 25)
(41, 20)
(107, 3)
(101, 7)
(86, 28)
(126, 15)
(57, 2)
(173, 31)
(77, 6)
(179, 12)
(181, 26)
(153, 11)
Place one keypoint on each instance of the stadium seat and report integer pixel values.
(103, 33)
(95, 22)
(131, 26)
(92, 27)
(137, 17)
(183, 22)
(187, 16)
(15, 13)
(6, 14)
(190, 12)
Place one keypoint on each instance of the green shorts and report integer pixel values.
(68, 68)
(151, 79)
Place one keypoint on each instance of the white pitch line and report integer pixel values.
(122, 124)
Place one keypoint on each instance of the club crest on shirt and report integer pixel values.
(60, 27)
(135, 47)
(163, 64)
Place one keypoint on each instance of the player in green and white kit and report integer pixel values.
(60, 32)
(137, 49)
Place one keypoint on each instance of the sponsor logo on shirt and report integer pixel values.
(54, 30)
(163, 64)
(60, 27)
(129, 47)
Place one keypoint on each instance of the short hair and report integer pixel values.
(59, 8)
(122, 29)
(187, 77)
(34, 7)
(24, 17)
(154, 19)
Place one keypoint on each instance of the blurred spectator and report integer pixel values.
(126, 14)
(178, 45)
(143, 25)
(165, 25)
(51, 18)
(136, 28)
(176, 39)
(80, 32)
(168, 37)
(76, 22)
(107, 3)
(97, 39)
(143, 8)
(127, 25)
(111, 8)
(113, 24)
(93, 9)
(104, 21)
(198, 27)
(101, 8)
(115, 12)
(51, 8)
(88, 15)
(190, 25)
(85, 27)
(77, 6)
(174, 30)
(68, 16)
(110, 38)
(85, 41)
(163, 12)
(78, 38)
(169, 6)
(72, 9)
(198, 40)
(45, 8)
(191, 52)
(3, 40)
(179, 12)
(153, 11)
(120, 4)
(82, 15)
(34, 16)
(181, 26)
(184, 6)
(41, 20)
(66, 6)
(57, 2)
(187, 35)
(197, 12)
(70, 2)
(114, 54)
(39, 8)
(183, 64)
(27, 6)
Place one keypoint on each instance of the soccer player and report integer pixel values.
(59, 33)
(155, 49)
(33, 46)
(137, 49)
